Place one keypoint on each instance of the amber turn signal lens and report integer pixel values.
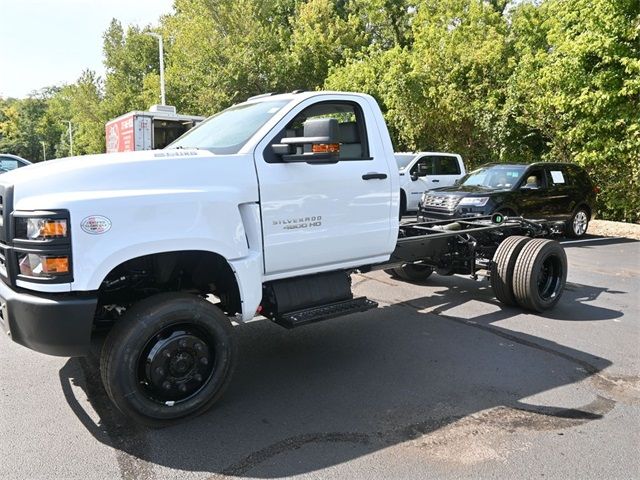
(55, 265)
(55, 228)
(325, 148)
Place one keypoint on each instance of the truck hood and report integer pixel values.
(128, 171)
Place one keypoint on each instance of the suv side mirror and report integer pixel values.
(320, 138)
(414, 177)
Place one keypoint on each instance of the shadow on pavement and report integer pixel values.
(320, 395)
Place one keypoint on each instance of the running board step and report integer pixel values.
(324, 312)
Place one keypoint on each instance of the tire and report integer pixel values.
(540, 275)
(403, 204)
(504, 261)
(411, 272)
(170, 357)
(579, 223)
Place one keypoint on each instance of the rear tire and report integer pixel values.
(579, 223)
(502, 268)
(170, 357)
(411, 272)
(540, 275)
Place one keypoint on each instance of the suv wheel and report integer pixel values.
(578, 224)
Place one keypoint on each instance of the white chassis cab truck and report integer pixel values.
(424, 171)
(262, 211)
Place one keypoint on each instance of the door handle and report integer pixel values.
(435, 180)
(374, 176)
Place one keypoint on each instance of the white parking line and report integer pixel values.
(591, 240)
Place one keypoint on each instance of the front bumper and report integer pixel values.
(55, 324)
(424, 215)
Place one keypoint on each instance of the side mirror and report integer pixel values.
(457, 181)
(414, 177)
(320, 142)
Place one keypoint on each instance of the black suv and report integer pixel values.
(550, 191)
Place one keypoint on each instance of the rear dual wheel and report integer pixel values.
(170, 357)
(529, 273)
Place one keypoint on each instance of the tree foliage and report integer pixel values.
(495, 80)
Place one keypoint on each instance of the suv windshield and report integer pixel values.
(227, 131)
(494, 177)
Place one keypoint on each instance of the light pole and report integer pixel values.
(70, 140)
(44, 151)
(159, 37)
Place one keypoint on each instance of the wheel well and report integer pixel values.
(586, 207)
(403, 198)
(198, 272)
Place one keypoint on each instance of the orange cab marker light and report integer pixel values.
(55, 265)
(325, 148)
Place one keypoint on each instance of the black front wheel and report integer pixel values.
(170, 357)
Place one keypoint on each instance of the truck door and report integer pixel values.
(319, 217)
(432, 171)
(423, 172)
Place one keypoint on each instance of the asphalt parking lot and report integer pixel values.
(439, 382)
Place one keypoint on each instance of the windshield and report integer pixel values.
(495, 176)
(227, 131)
(403, 159)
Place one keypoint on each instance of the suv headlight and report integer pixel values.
(474, 201)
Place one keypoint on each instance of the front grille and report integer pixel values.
(440, 202)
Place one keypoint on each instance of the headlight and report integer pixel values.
(474, 201)
(33, 228)
(40, 265)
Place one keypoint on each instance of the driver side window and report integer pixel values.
(423, 167)
(351, 127)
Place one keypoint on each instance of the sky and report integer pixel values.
(50, 42)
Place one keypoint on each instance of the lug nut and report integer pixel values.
(182, 388)
(166, 385)
(182, 343)
(204, 361)
(198, 347)
(167, 354)
(197, 377)
(160, 371)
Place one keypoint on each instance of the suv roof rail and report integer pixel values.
(262, 95)
(298, 91)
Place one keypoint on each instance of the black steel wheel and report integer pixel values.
(540, 274)
(502, 266)
(411, 272)
(579, 223)
(170, 357)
